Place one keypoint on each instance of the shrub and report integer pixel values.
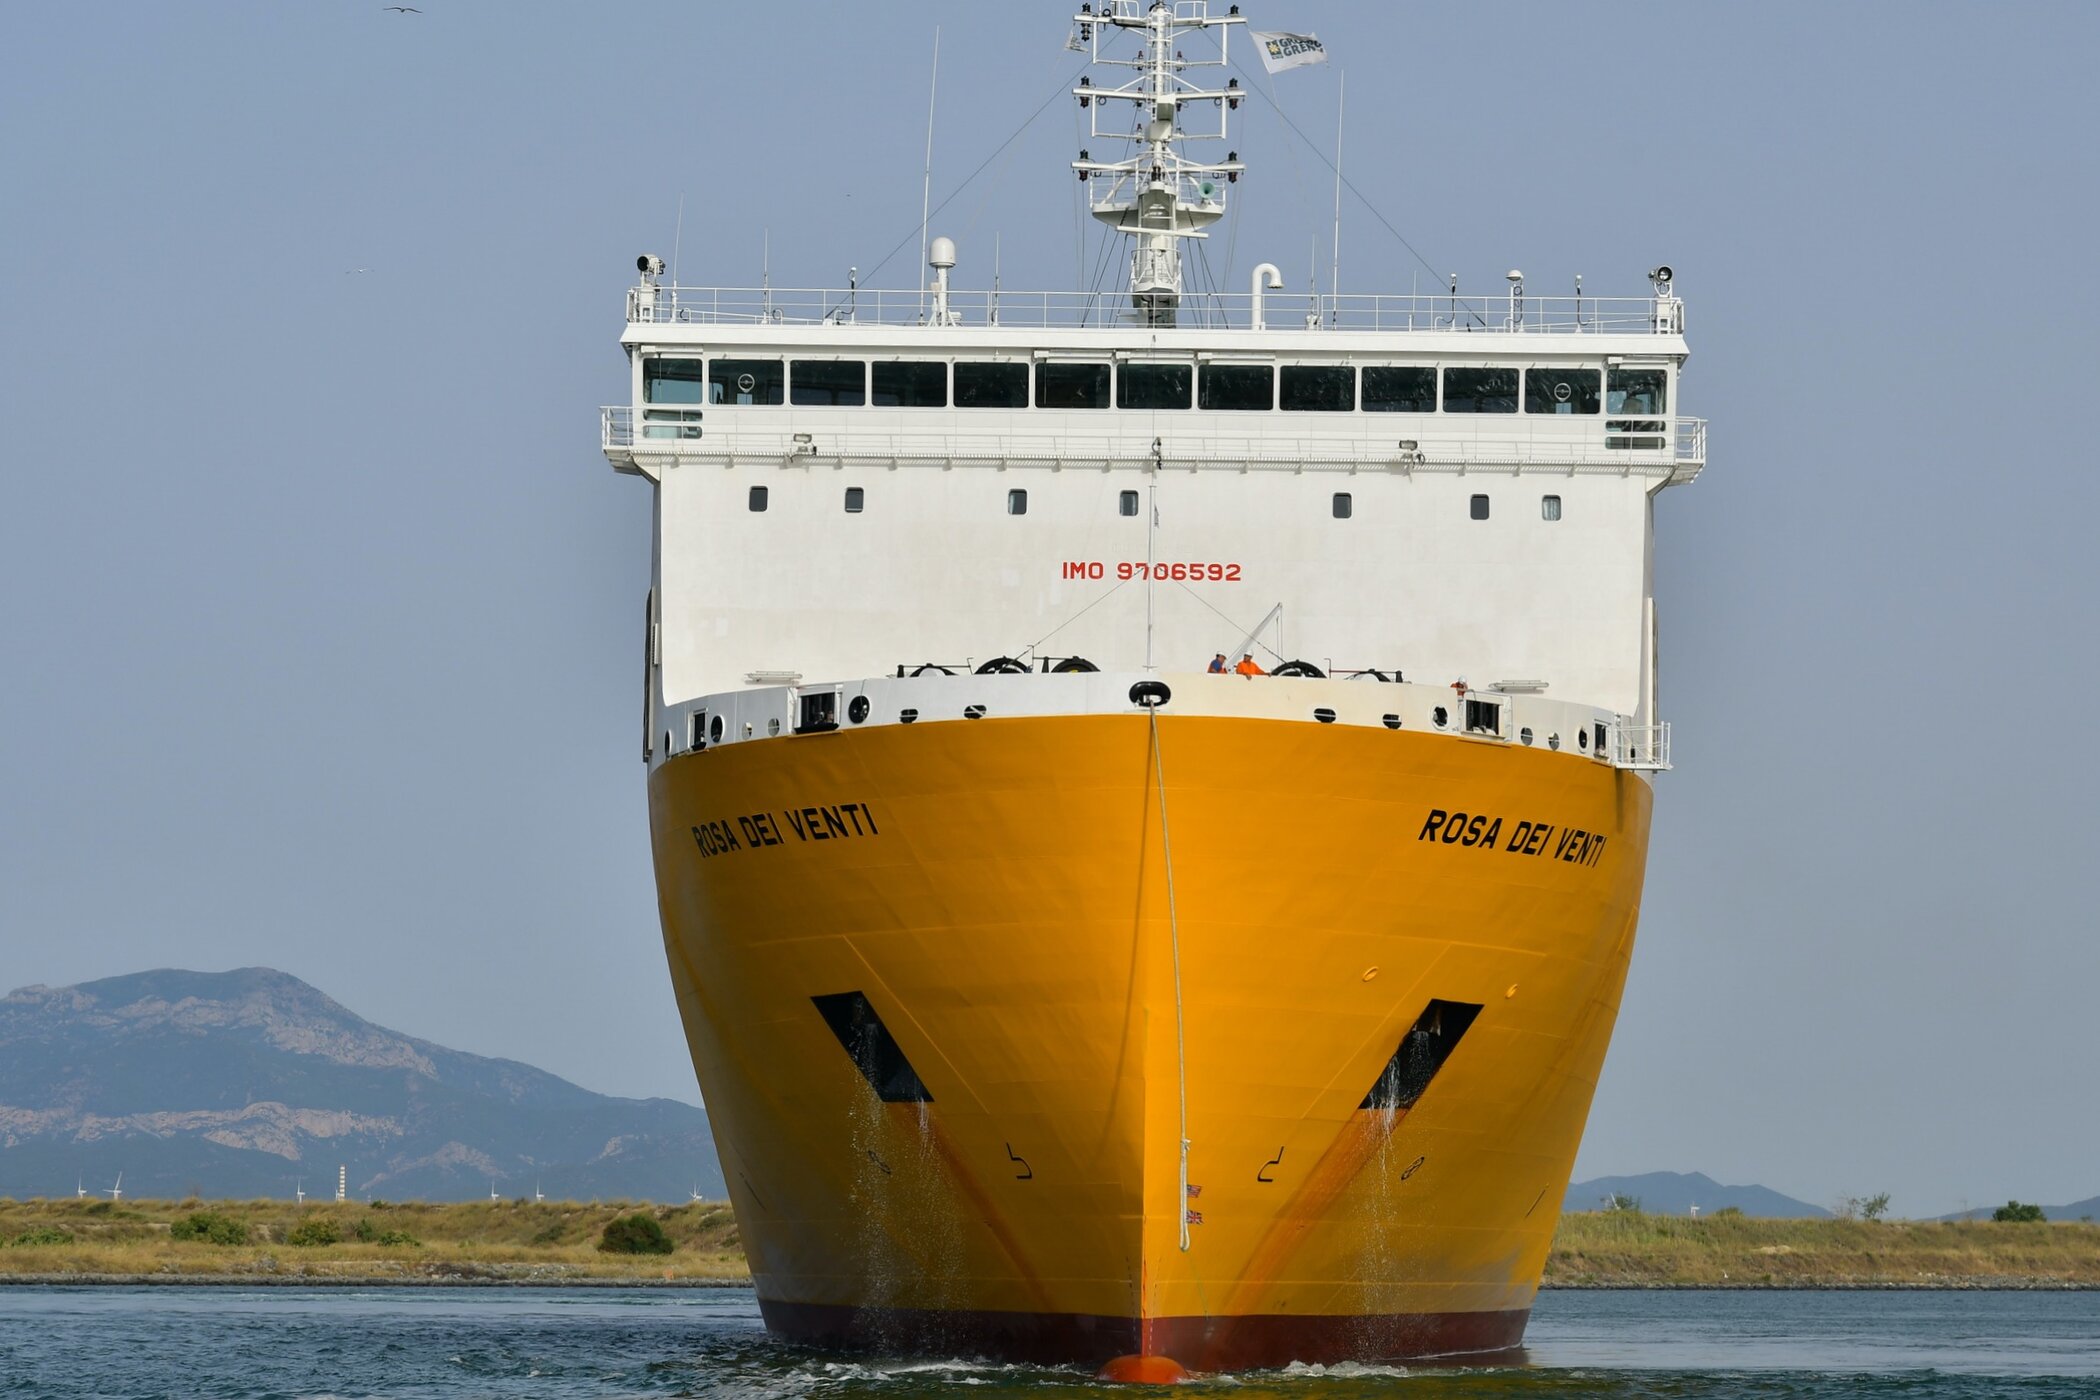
(1729, 1213)
(2017, 1213)
(210, 1227)
(549, 1234)
(1629, 1204)
(635, 1234)
(42, 1234)
(317, 1230)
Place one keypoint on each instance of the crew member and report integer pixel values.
(1217, 665)
(1249, 666)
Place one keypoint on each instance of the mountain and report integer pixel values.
(1675, 1193)
(245, 1083)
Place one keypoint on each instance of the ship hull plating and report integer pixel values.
(928, 976)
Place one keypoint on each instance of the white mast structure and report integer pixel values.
(1156, 194)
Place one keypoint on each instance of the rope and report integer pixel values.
(1181, 1051)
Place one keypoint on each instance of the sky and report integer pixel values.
(319, 608)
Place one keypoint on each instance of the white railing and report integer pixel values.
(1484, 439)
(1642, 746)
(808, 306)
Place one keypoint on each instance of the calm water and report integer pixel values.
(553, 1344)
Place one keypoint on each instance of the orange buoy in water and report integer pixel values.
(1144, 1370)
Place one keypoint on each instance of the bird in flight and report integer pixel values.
(404, 9)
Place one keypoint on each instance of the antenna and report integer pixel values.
(1156, 195)
(1335, 266)
(926, 188)
(677, 238)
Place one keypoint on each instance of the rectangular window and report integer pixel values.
(1549, 507)
(1241, 387)
(672, 422)
(1480, 390)
(671, 381)
(696, 730)
(1483, 717)
(856, 500)
(1638, 393)
(1017, 503)
(1144, 386)
(1344, 505)
(754, 382)
(1127, 503)
(990, 384)
(1563, 391)
(756, 500)
(910, 384)
(1479, 508)
(1317, 388)
(1399, 389)
(828, 383)
(1071, 386)
(819, 713)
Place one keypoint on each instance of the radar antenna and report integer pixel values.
(1156, 194)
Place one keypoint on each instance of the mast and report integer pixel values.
(1156, 194)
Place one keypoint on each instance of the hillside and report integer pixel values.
(249, 1083)
(1675, 1193)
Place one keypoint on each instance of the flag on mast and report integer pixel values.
(1280, 51)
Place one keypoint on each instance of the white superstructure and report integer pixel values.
(854, 484)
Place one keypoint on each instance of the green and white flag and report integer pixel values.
(1280, 51)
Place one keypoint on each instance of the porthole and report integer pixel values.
(1582, 740)
(667, 743)
(1324, 715)
(1391, 721)
(907, 716)
(857, 709)
(714, 730)
(773, 726)
(1524, 736)
(973, 712)
(1440, 717)
(1553, 742)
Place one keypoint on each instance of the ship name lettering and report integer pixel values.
(838, 821)
(716, 838)
(1483, 831)
(832, 823)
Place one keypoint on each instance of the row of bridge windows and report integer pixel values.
(1157, 385)
(1343, 504)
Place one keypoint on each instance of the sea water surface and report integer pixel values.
(281, 1343)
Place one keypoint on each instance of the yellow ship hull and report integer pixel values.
(1090, 938)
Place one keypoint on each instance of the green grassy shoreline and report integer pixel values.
(554, 1244)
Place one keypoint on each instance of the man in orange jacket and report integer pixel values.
(1248, 667)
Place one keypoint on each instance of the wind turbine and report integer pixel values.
(299, 1190)
(537, 1194)
(492, 1192)
(1695, 1210)
(696, 1196)
(80, 1187)
(116, 1192)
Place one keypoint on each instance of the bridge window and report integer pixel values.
(1071, 386)
(1150, 386)
(1480, 390)
(1563, 391)
(856, 500)
(757, 498)
(1236, 387)
(1344, 505)
(829, 383)
(1127, 503)
(990, 384)
(1479, 508)
(754, 382)
(910, 384)
(1640, 393)
(1401, 389)
(1017, 502)
(1318, 388)
(1549, 507)
(671, 381)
